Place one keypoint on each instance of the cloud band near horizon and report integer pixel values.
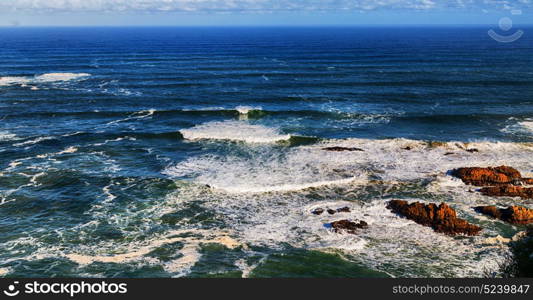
(256, 6)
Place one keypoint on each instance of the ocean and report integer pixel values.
(198, 152)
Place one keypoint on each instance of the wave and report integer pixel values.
(43, 78)
(246, 109)
(234, 131)
(524, 127)
(34, 141)
(288, 187)
(7, 136)
(390, 161)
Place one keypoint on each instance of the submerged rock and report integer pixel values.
(348, 226)
(512, 214)
(441, 218)
(339, 149)
(488, 176)
(331, 211)
(508, 191)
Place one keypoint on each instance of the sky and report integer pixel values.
(261, 12)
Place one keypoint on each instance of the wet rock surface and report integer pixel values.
(348, 226)
(512, 214)
(508, 191)
(441, 218)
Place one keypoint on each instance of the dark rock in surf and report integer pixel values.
(343, 209)
(441, 218)
(317, 211)
(331, 211)
(340, 149)
(348, 226)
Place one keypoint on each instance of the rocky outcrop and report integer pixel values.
(348, 226)
(441, 218)
(340, 149)
(512, 214)
(508, 191)
(489, 176)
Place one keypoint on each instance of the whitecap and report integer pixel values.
(524, 127)
(7, 136)
(242, 109)
(235, 131)
(12, 80)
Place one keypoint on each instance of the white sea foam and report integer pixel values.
(240, 183)
(4, 271)
(190, 251)
(235, 131)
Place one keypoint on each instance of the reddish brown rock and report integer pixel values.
(512, 214)
(508, 191)
(441, 218)
(348, 226)
(339, 149)
(488, 176)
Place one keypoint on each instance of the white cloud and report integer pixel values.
(247, 5)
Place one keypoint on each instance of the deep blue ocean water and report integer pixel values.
(144, 152)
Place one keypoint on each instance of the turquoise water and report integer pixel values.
(146, 152)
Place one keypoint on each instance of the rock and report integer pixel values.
(508, 191)
(339, 149)
(449, 153)
(528, 181)
(408, 148)
(488, 176)
(343, 209)
(473, 150)
(441, 218)
(512, 214)
(348, 226)
(317, 211)
(489, 211)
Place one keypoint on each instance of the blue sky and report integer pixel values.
(260, 12)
